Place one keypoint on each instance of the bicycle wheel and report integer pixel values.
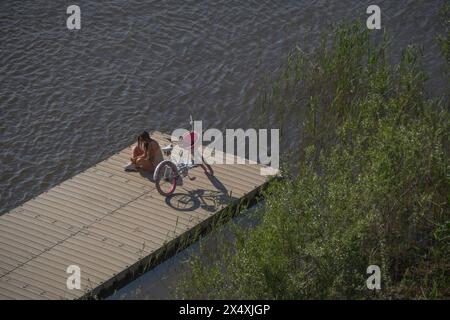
(165, 176)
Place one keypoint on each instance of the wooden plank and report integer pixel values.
(12, 233)
(8, 263)
(28, 230)
(52, 289)
(45, 224)
(59, 210)
(32, 287)
(84, 206)
(16, 292)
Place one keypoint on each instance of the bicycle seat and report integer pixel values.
(189, 140)
(167, 149)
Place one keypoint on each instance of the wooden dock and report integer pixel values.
(112, 224)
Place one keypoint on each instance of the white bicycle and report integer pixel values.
(168, 173)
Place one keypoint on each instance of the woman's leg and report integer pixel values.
(145, 164)
(135, 153)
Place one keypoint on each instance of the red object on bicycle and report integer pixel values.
(190, 140)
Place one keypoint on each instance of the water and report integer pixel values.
(70, 99)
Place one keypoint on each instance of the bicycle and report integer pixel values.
(168, 173)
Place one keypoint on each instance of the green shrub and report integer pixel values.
(368, 184)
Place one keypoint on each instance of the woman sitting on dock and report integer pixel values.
(146, 154)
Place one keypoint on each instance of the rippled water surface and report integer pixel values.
(70, 99)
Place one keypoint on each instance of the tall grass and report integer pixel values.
(367, 184)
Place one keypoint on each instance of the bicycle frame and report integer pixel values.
(174, 169)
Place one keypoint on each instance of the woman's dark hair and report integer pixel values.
(139, 140)
(145, 138)
(145, 135)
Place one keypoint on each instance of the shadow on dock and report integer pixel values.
(208, 200)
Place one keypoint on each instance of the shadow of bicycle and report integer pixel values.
(208, 200)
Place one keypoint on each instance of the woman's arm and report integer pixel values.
(150, 150)
(136, 152)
